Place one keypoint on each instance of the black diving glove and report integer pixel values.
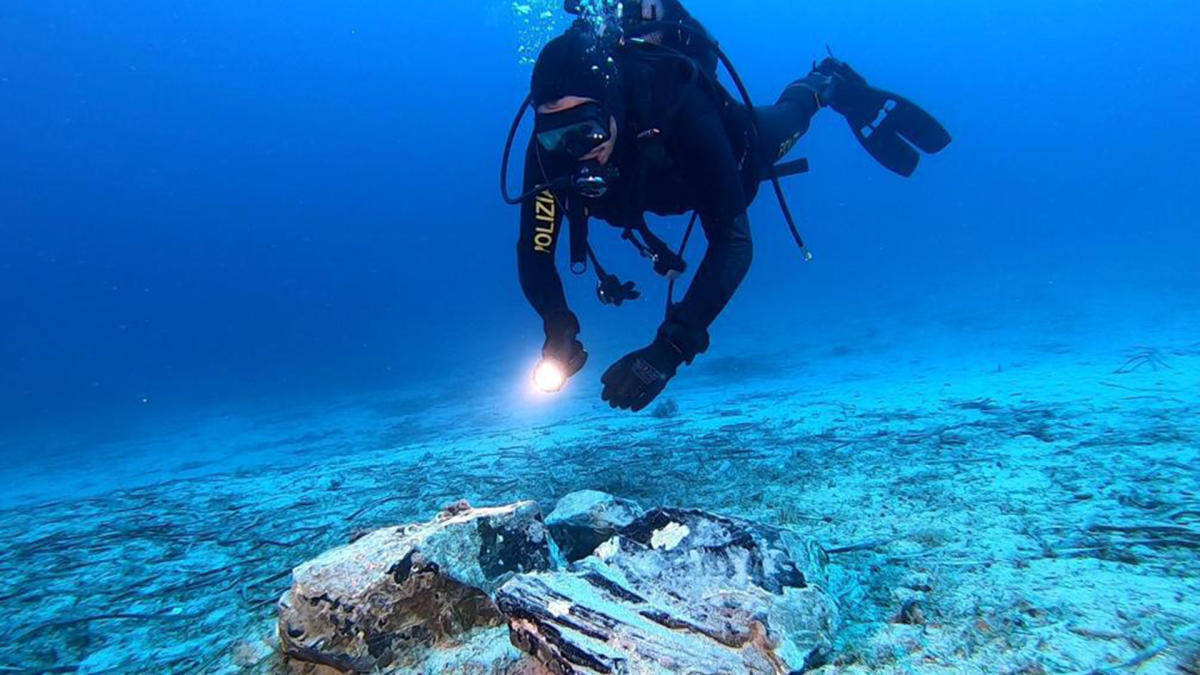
(635, 380)
(562, 344)
(610, 290)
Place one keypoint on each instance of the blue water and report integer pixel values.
(217, 202)
(218, 209)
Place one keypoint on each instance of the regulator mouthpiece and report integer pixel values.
(591, 187)
(593, 179)
(549, 377)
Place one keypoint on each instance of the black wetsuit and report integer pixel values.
(684, 145)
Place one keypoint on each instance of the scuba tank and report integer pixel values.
(688, 37)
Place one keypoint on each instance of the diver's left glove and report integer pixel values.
(639, 377)
(562, 346)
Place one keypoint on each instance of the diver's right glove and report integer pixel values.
(562, 345)
(639, 377)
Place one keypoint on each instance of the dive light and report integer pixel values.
(549, 377)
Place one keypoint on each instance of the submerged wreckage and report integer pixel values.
(598, 586)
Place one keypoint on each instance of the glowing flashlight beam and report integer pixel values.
(548, 377)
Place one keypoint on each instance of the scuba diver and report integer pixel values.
(629, 118)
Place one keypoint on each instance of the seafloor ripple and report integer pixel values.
(1041, 520)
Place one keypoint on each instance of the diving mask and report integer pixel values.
(565, 137)
(574, 132)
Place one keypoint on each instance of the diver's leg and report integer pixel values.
(782, 124)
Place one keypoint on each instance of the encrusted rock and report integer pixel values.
(248, 653)
(679, 591)
(382, 601)
(583, 520)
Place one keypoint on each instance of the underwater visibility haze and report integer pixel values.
(259, 295)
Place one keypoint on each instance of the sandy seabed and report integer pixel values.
(1038, 511)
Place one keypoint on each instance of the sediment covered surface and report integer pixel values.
(1040, 515)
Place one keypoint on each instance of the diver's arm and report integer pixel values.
(704, 152)
(712, 171)
(541, 225)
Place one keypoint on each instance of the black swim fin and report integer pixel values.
(890, 127)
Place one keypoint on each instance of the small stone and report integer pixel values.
(456, 508)
(666, 409)
(583, 520)
(910, 614)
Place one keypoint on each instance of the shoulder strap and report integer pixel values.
(577, 220)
